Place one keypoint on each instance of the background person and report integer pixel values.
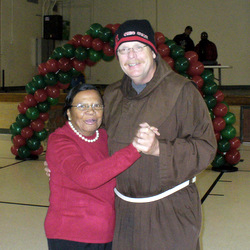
(151, 91)
(184, 39)
(206, 50)
(81, 213)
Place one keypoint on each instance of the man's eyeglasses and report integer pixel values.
(86, 107)
(136, 49)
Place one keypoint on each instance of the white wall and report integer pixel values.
(20, 26)
(227, 24)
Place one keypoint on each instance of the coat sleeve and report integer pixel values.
(195, 145)
(65, 157)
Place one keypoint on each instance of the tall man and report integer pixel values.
(150, 91)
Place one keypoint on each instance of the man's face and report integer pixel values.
(188, 32)
(139, 66)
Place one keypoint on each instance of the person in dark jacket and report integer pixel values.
(206, 50)
(184, 39)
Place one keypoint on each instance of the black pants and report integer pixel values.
(55, 244)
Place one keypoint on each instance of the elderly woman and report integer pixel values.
(81, 214)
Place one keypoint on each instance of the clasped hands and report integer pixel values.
(145, 140)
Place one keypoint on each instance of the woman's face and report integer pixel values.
(88, 121)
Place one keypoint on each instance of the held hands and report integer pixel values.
(145, 140)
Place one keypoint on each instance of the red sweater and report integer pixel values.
(81, 186)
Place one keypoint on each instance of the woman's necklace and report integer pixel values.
(82, 137)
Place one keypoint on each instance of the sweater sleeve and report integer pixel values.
(195, 145)
(64, 155)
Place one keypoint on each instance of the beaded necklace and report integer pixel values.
(82, 137)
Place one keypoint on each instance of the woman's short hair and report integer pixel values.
(73, 92)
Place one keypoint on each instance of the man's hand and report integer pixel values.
(46, 169)
(146, 141)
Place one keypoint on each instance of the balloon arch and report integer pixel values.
(70, 61)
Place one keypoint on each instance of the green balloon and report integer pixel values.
(23, 152)
(32, 113)
(176, 52)
(218, 161)
(207, 75)
(39, 82)
(33, 143)
(68, 50)
(94, 56)
(229, 132)
(181, 64)
(210, 101)
(52, 101)
(22, 120)
(170, 43)
(43, 107)
(112, 42)
(229, 118)
(15, 129)
(81, 53)
(74, 72)
(105, 34)
(95, 29)
(209, 88)
(107, 58)
(223, 145)
(57, 53)
(51, 79)
(30, 88)
(41, 135)
(64, 77)
(88, 32)
(211, 113)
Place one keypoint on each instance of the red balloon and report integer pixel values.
(76, 40)
(195, 69)
(220, 109)
(64, 64)
(235, 143)
(22, 107)
(97, 44)
(78, 65)
(163, 50)
(191, 56)
(219, 96)
(217, 135)
(14, 150)
(37, 125)
(115, 27)
(53, 91)
(19, 141)
(159, 38)
(27, 132)
(40, 95)
(109, 26)
(62, 85)
(232, 156)
(44, 116)
(219, 124)
(30, 100)
(198, 80)
(169, 60)
(108, 50)
(42, 69)
(52, 65)
(38, 151)
(86, 41)
(89, 62)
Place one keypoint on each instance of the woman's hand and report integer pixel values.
(145, 140)
(46, 169)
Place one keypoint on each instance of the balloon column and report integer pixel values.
(97, 43)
